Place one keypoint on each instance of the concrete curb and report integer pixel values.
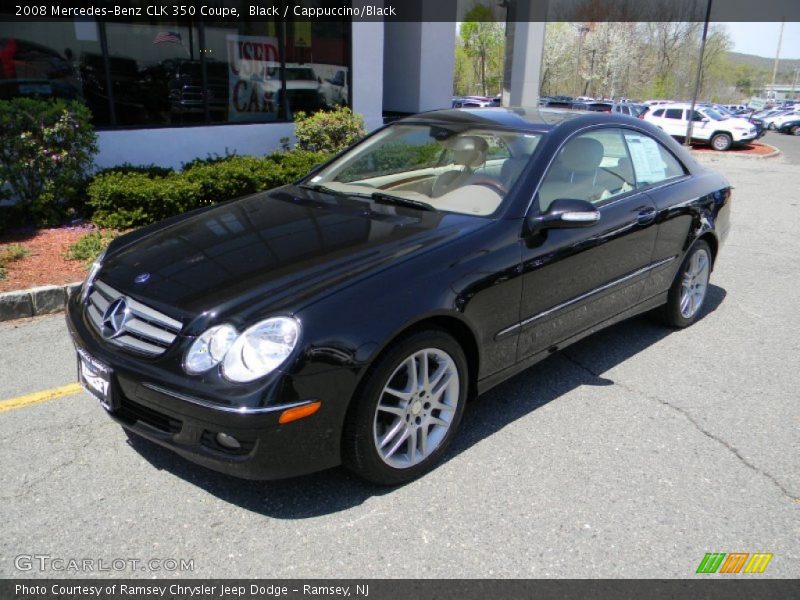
(42, 300)
(775, 152)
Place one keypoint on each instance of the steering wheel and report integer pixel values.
(493, 184)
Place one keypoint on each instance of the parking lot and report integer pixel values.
(631, 454)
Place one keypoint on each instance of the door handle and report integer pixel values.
(646, 216)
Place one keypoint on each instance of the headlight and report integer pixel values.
(261, 349)
(209, 349)
(87, 285)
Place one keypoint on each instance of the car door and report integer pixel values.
(576, 278)
(674, 122)
(702, 128)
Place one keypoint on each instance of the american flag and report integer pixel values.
(168, 37)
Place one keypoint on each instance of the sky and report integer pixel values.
(761, 39)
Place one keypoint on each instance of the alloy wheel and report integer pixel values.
(416, 408)
(695, 284)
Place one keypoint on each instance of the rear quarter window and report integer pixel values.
(652, 163)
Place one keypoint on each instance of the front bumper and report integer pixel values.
(188, 423)
(746, 136)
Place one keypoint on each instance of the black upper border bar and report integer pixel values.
(401, 10)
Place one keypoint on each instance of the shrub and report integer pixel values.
(9, 254)
(125, 168)
(88, 247)
(328, 131)
(122, 200)
(46, 149)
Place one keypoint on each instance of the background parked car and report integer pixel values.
(777, 121)
(592, 106)
(472, 102)
(629, 108)
(791, 127)
(708, 125)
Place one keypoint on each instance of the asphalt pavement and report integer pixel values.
(630, 454)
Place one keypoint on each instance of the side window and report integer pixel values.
(674, 113)
(651, 161)
(594, 166)
(696, 116)
(659, 112)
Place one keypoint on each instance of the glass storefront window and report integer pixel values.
(42, 59)
(155, 74)
(179, 72)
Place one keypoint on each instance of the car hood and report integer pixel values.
(738, 122)
(274, 251)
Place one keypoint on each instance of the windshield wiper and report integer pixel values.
(321, 187)
(389, 199)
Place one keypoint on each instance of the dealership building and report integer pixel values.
(165, 91)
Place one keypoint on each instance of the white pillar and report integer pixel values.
(526, 30)
(367, 72)
(418, 63)
(526, 67)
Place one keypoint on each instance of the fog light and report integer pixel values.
(228, 441)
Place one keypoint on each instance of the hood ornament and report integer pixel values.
(141, 278)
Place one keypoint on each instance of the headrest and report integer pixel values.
(582, 154)
(511, 169)
(469, 150)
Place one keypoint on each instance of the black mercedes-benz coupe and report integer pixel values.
(348, 318)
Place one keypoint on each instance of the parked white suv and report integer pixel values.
(708, 125)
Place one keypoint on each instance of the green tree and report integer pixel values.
(483, 40)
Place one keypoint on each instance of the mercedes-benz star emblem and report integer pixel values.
(115, 317)
(141, 278)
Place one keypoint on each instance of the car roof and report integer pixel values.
(518, 118)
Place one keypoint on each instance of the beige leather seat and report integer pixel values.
(575, 174)
(469, 151)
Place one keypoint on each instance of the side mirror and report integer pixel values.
(566, 213)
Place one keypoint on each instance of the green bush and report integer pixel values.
(46, 149)
(126, 168)
(88, 247)
(122, 200)
(9, 254)
(328, 131)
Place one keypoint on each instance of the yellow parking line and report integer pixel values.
(43, 396)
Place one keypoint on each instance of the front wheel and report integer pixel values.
(688, 292)
(408, 409)
(795, 130)
(721, 142)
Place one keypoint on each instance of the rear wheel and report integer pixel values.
(688, 292)
(721, 142)
(408, 410)
(795, 130)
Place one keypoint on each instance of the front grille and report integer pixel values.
(133, 411)
(143, 330)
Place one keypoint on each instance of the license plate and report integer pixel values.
(96, 379)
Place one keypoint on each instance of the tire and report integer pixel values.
(383, 440)
(676, 313)
(721, 141)
(795, 130)
(771, 126)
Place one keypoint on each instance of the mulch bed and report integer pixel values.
(751, 149)
(46, 263)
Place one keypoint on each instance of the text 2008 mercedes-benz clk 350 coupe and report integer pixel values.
(347, 318)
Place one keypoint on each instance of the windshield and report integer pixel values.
(466, 171)
(712, 114)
